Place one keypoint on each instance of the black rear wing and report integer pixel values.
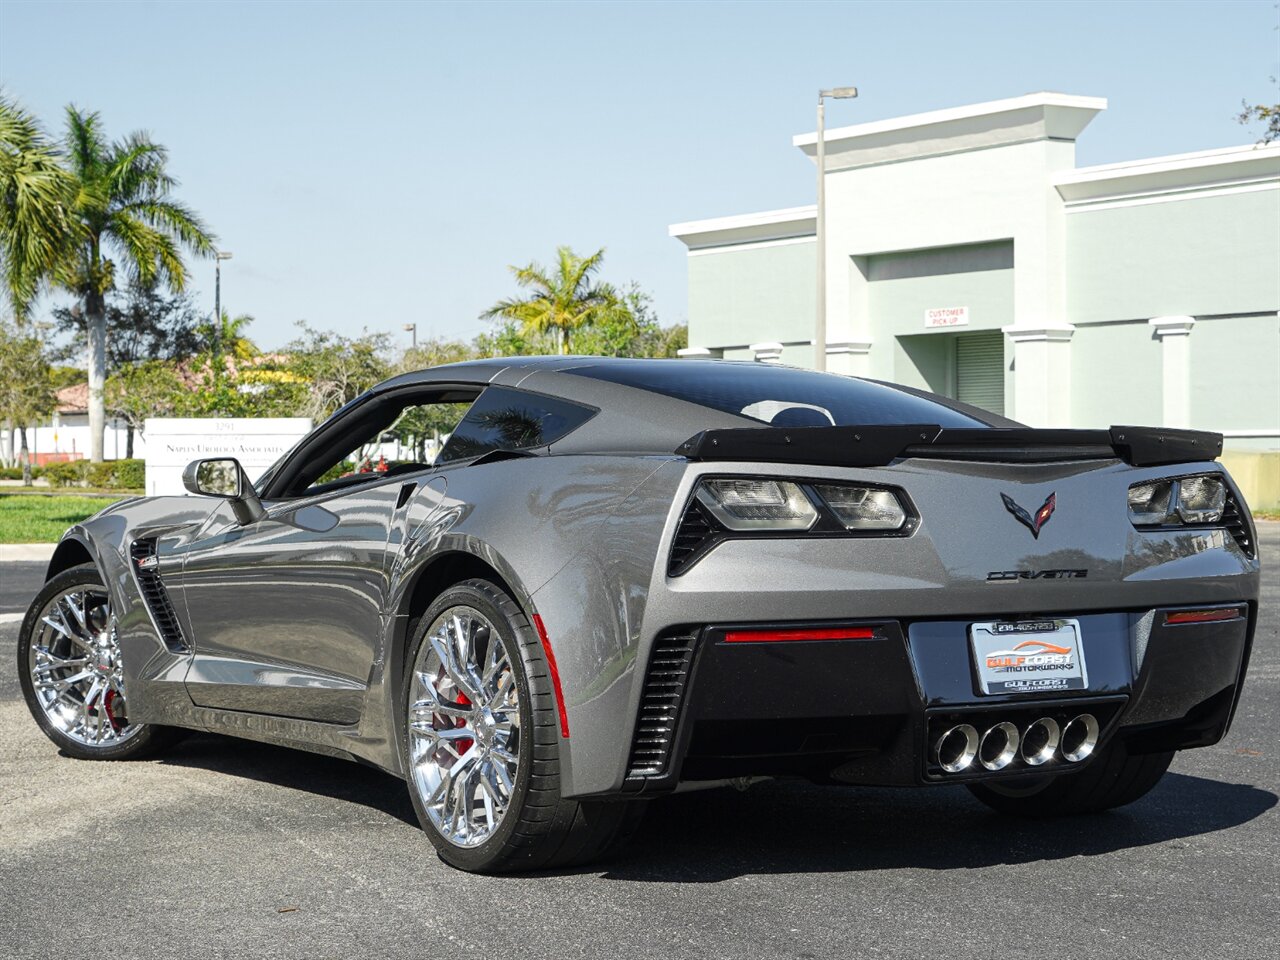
(879, 445)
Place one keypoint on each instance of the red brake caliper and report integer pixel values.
(107, 703)
(462, 746)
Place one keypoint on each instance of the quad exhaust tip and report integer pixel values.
(961, 746)
(999, 746)
(957, 748)
(1040, 741)
(1079, 737)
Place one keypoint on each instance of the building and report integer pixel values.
(65, 436)
(968, 254)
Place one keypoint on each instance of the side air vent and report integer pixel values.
(664, 689)
(146, 567)
(1238, 527)
(696, 534)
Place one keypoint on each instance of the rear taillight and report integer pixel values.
(757, 504)
(1176, 502)
(724, 508)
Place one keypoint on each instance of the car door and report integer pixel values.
(287, 612)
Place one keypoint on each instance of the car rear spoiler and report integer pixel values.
(879, 445)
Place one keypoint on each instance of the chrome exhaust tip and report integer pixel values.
(1079, 737)
(957, 747)
(999, 745)
(1040, 741)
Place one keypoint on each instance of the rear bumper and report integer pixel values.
(869, 711)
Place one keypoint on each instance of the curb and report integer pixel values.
(14, 552)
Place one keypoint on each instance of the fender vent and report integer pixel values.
(664, 689)
(146, 567)
(1238, 527)
(696, 534)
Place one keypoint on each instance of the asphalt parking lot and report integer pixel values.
(225, 848)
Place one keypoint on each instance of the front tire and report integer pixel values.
(1114, 778)
(482, 745)
(71, 672)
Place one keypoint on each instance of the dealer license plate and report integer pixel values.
(1029, 656)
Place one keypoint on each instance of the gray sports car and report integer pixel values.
(620, 578)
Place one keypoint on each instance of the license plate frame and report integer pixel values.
(1026, 657)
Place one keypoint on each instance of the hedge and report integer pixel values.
(110, 475)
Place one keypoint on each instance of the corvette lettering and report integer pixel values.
(999, 575)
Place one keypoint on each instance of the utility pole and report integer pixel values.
(218, 257)
(820, 325)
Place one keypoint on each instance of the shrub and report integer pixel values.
(65, 474)
(129, 475)
(99, 474)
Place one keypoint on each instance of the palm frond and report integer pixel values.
(36, 231)
(176, 219)
(86, 146)
(135, 169)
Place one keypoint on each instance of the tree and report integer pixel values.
(1270, 115)
(228, 339)
(563, 300)
(36, 196)
(123, 208)
(141, 324)
(26, 385)
(149, 388)
(633, 331)
(335, 369)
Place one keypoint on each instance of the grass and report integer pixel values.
(34, 519)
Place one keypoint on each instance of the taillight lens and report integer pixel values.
(758, 504)
(1201, 499)
(1185, 500)
(863, 508)
(1151, 503)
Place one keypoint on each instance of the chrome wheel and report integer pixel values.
(76, 676)
(464, 726)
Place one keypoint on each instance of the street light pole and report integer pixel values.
(820, 325)
(218, 257)
(412, 328)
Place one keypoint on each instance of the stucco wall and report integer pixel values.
(750, 294)
(1194, 255)
(1115, 375)
(902, 286)
(1235, 374)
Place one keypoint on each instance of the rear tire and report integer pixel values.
(538, 829)
(1114, 778)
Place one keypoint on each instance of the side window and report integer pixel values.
(412, 440)
(504, 419)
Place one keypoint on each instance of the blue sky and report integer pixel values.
(372, 164)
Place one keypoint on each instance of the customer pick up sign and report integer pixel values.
(257, 442)
(946, 317)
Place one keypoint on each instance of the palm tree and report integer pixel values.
(561, 301)
(122, 208)
(36, 195)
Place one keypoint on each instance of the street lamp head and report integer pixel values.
(223, 254)
(411, 326)
(839, 93)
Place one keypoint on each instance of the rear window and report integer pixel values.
(781, 396)
(503, 419)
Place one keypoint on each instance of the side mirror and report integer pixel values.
(224, 478)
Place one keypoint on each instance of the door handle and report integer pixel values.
(406, 491)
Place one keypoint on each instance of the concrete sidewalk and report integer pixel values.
(16, 552)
